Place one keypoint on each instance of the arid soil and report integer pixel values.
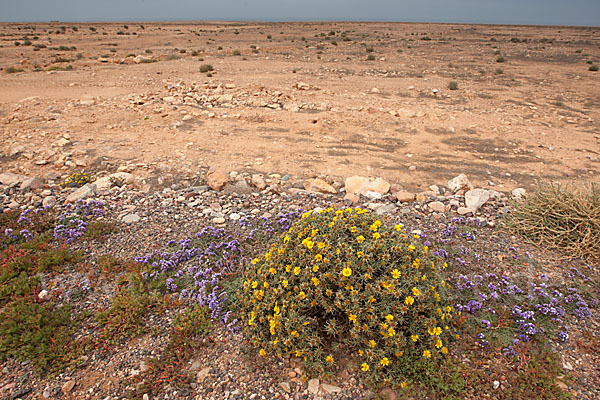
(304, 99)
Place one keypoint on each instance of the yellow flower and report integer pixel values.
(414, 338)
(310, 244)
(266, 285)
(396, 274)
(389, 317)
(302, 295)
(434, 331)
(352, 318)
(321, 245)
(444, 350)
(416, 291)
(286, 239)
(376, 235)
(411, 248)
(403, 385)
(391, 331)
(359, 254)
(255, 261)
(315, 268)
(438, 343)
(254, 285)
(364, 367)
(409, 300)
(262, 353)
(427, 354)
(318, 257)
(315, 281)
(360, 239)
(372, 343)
(285, 283)
(272, 270)
(329, 359)
(384, 362)
(398, 227)
(347, 271)
(353, 229)
(296, 270)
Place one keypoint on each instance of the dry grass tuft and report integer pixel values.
(560, 218)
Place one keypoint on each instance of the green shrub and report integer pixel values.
(342, 282)
(559, 218)
(369, 49)
(500, 59)
(498, 71)
(206, 68)
(593, 67)
(371, 57)
(237, 53)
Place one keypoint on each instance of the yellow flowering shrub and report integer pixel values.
(341, 282)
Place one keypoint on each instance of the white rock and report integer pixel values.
(475, 198)
(327, 388)
(49, 201)
(43, 295)
(437, 206)
(313, 386)
(105, 184)
(459, 182)
(131, 218)
(88, 190)
(518, 193)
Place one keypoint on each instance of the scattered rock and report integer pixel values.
(475, 198)
(104, 183)
(351, 199)
(330, 389)
(87, 190)
(404, 196)
(460, 182)
(239, 187)
(319, 186)
(131, 218)
(43, 294)
(313, 386)
(285, 386)
(31, 184)
(386, 209)
(437, 206)
(362, 185)
(49, 201)
(464, 210)
(202, 374)
(68, 387)
(388, 394)
(518, 193)
(216, 179)
(9, 179)
(258, 181)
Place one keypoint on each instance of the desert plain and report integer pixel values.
(413, 103)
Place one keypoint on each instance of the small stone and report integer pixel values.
(352, 199)
(386, 209)
(404, 196)
(258, 181)
(216, 179)
(463, 210)
(437, 206)
(518, 193)
(49, 201)
(87, 190)
(319, 186)
(496, 384)
(327, 388)
(145, 397)
(285, 386)
(218, 220)
(388, 394)
(31, 184)
(475, 198)
(202, 374)
(234, 216)
(68, 387)
(459, 182)
(313, 386)
(361, 185)
(131, 218)
(9, 179)
(43, 294)
(292, 374)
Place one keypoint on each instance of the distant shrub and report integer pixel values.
(426, 38)
(236, 53)
(498, 71)
(206, 68)
(13, 70)
(500, 59)
(593, 67)
(369, 49)
(453, 85)
(371, 57)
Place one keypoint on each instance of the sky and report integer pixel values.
(539, 12)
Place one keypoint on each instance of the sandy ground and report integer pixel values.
(304, 99)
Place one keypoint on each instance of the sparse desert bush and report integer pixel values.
(561, 218)
(371, 57)
(453, 85)
(498, 71)
(206, 68)
(593, 67)
(77, 179)
(340, 282)
(426, 38)
(236, 53)
(13, 70)
(500, 59)
(369, 49)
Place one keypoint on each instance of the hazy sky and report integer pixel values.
(554, 12)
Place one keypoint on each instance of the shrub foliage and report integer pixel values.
(340, 282)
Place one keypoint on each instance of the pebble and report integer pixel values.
(131, 218)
